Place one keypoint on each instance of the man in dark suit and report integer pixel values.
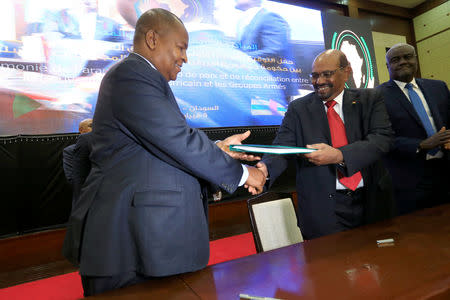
(76, 163)
(419, 110)
(343, 184)
(142, 211)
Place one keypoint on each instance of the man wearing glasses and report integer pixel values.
(343, 184)
(419, 110)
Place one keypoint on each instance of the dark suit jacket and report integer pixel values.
(76, 163)
(142, 207)
(369, 135)
(405, 165)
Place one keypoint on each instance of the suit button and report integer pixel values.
(330, 196)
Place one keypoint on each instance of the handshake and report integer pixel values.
(256, 175)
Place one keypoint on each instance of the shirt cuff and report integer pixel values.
(244, 175)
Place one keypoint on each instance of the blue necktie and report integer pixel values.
(420, 109)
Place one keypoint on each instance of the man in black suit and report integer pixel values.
(343, 184)
(419, 110)
(142, 211)
(76, 163)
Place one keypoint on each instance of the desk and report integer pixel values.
(346, 265)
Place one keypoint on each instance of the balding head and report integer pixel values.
(162, 39)
(330, 71)
(156, 19)
(85, 126)
(331, 56)
(397, 47)
(401, 61)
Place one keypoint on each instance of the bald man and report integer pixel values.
(85, 126)
(142, 211)
(343, 184)
(420, 160)
(76, 163)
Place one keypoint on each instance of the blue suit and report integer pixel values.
(409, 169)
(76, 163)
(369, 137)
(143, 207)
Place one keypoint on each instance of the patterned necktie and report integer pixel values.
(423, 116)
(339, 139)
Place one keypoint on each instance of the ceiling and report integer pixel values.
(402, 3)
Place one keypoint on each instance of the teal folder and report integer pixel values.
(270, 149)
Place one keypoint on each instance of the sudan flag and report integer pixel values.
(23, 104)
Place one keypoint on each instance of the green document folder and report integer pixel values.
(271, 149)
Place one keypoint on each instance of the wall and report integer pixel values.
(432, 30)
(382, 41)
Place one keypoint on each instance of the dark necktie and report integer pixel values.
(421, 112)
(339, 139)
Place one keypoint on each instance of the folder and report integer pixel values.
(270, 149)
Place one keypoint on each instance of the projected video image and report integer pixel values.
(246, 59)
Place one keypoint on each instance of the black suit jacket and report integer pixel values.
(76, 163)
(142, 207)
(370, 136)
(404, 163)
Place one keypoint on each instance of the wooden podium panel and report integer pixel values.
(162, 288)
(346, 265)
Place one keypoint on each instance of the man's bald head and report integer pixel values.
(401, 61)
(85, 126)
(333, 55)
(330, 71)
(163, 40)
(156, 19)
(397, 47)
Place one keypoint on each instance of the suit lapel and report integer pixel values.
(350, 110)
(431, 104)
(398, 95)
(319, 117)
(170, 95)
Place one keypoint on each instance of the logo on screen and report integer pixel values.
(357, 52)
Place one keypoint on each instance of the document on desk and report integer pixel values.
(271, 149)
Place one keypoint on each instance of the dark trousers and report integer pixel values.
(349, 208)
(93, 285)
(433, 188)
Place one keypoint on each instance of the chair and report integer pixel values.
(273, 221)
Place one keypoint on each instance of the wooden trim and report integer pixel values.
(434, 34)
(370, 6)
(426, 6)
(31, 249)
(353, 11)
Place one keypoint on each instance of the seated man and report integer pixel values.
(76, 161)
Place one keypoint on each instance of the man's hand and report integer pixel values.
(217, 196)
(236, 139)
(255, 181)
(324, 155)
(263, 168)
(441, 138)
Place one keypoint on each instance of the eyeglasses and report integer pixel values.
(324, 74)
(396, 59)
